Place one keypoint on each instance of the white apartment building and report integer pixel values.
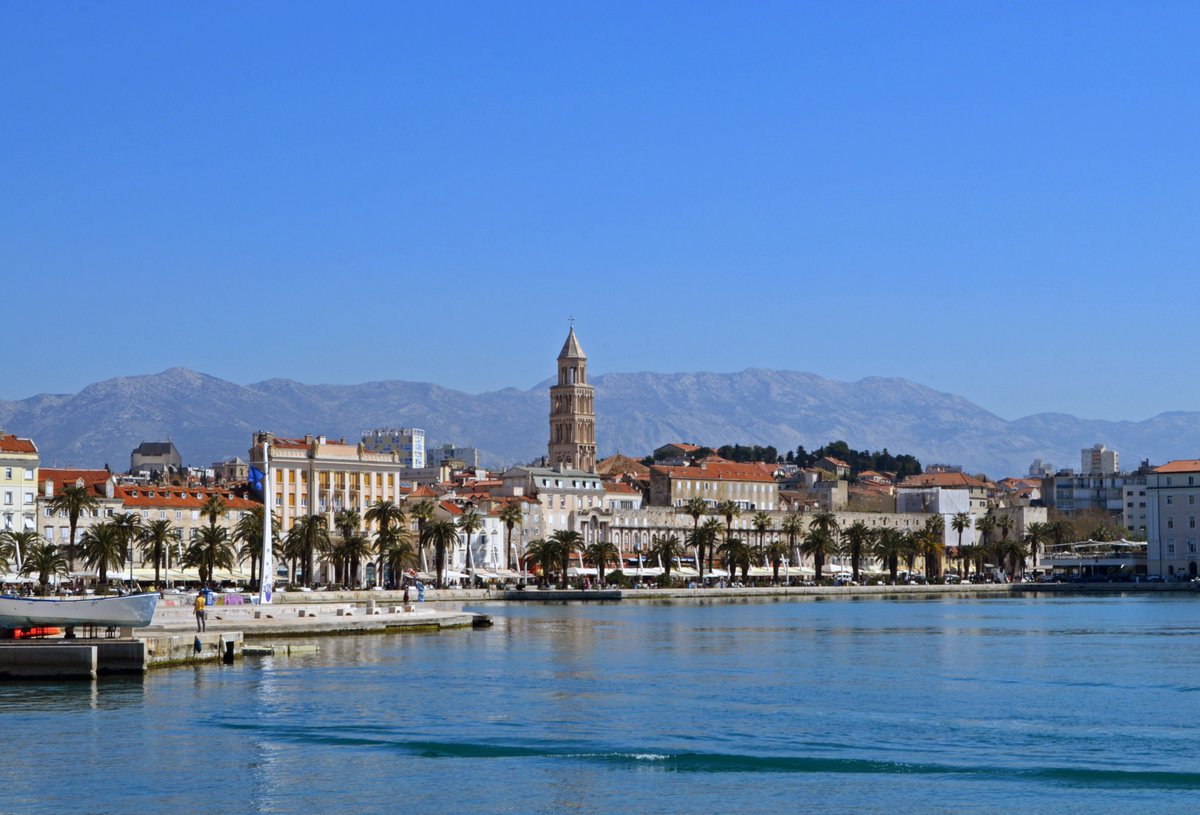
(18, 483)
(1098, 460)
(1172, 508)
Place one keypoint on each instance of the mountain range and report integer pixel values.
(210, 419)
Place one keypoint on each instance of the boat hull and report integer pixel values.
(132, 611)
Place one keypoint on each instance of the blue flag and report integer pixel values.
(255, 478)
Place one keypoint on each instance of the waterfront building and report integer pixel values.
(564, 495)
(409, 442)
(572, 411)
(155, 458)
(1171, 512)
(1070, 494)
(18, 482)
(1098, 460)
(1134, 514)
(101, 485)
(715, 481)
(951, 479)
(317, 476)
(179, 505)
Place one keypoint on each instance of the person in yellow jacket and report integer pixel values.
(201, 612)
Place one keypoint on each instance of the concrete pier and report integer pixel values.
(27, 660)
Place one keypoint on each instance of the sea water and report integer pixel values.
(1033, 704)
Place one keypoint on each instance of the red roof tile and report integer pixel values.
(11, 444)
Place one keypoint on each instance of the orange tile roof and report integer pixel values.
(1183, 465)
(94, 480)
(168, 497)
(715, 470)
(949, 480)
(617, 486)
(11, 444)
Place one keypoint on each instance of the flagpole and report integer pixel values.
(268, 567)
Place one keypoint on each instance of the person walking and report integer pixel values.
(201, 611)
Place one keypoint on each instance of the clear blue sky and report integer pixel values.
(994, 199)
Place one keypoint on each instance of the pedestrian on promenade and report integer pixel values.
(406, 595)
(201, 612)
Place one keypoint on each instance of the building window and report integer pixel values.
(1170, 523)
(8, 497)
(1170, 547)
(1169, 501)
(1191, 547)
(28, 473)
(8, 473)
(1191, 499)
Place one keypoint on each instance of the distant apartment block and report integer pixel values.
(1040, 469)
(469, 456)
(1098, 460)
(409, 442)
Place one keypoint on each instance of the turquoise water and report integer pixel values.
(1030, 704)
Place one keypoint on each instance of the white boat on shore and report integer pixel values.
(133, 611)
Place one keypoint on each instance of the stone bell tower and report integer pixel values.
(572, 411)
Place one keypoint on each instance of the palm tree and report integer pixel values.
(985, 526)
(542, 553)
(44, 559)
(819, 543)
(73, 500)
(567, 541)
(347, 523)
(512, 516)
(960, 523)
(932, 544)
(390, 516)
(1060, 531)
(666, 548)
(1005, 524)
(248, 531)
(214, 506)
(776, 551)
(730, 510)
(211, 549)
(697, 508)
(888, 548)
(357, 547)
(103, 547)
(793, 526)
(129, 528)
(929, 545)
(468, 524)
(600, 553)
(1035, 533)
(399, 552)
(155, 538)
(736, 555)
(14, 544)
(308, 536)
(422, 513)
(1012, 554)
(762, 523)
(856, 537)
(441, 535)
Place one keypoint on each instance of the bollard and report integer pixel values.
(370, 607)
